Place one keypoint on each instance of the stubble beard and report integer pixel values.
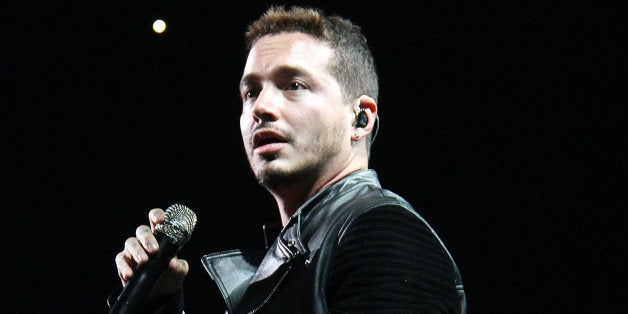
(322, 149)
(277, 178)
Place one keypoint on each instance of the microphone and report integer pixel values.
(172, 234)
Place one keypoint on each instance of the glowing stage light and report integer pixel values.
(159, 26)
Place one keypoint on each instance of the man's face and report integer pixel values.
(294, 124)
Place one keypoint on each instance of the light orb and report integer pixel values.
(159, 26)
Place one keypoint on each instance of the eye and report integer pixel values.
(295, 85)
(250, 93)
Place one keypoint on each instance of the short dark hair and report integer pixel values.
(352, 65)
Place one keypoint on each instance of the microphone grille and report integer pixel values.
(179, 222)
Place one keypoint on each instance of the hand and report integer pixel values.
(136, 251)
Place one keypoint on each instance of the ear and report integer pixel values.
(369, 107)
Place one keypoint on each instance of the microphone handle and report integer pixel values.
(132, 298)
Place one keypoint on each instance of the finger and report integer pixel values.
(145, 236)
(155, 216)
(134, 250)
(125, 267)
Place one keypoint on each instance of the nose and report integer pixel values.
(265, 107)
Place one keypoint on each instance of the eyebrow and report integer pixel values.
(283, 71)
(248, 80)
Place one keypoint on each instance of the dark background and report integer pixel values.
(501, 123)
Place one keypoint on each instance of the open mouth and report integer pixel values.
(266, 137)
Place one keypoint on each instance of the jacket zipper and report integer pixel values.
(283, 276)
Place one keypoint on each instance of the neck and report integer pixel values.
(290, 198)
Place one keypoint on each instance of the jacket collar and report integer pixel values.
(296, 236)
(301, 237)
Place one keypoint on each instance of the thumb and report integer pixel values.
(172, 280)
(178, 267)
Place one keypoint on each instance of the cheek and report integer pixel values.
(324, 131)
(245, 130)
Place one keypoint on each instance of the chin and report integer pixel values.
(275, 177)
(272, 178)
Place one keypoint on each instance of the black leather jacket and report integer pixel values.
(299, 260)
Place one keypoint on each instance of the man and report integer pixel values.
(309, 111)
